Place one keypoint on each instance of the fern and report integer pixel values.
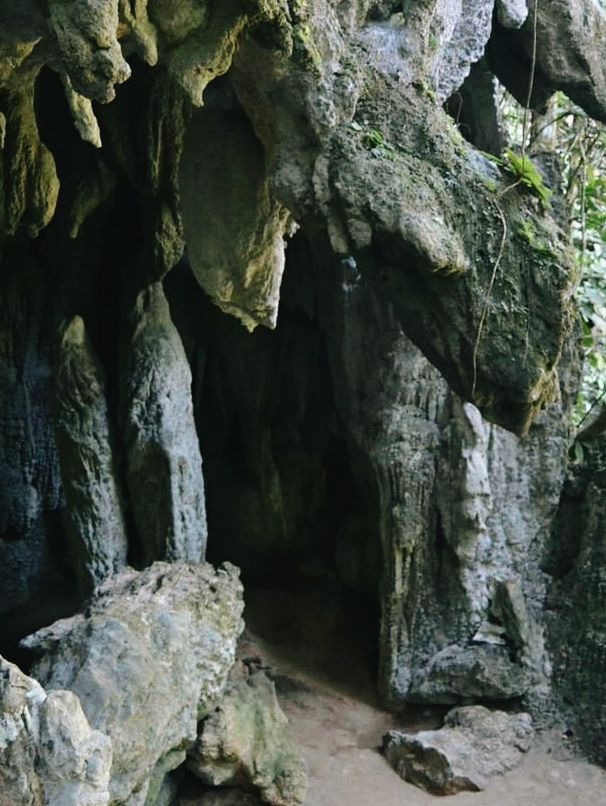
(527, 173)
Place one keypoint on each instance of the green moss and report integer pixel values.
(527, 232)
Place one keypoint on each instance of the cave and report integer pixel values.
(290, 492)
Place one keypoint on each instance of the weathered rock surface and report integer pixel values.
(86, 446)
(471, 673)
(348, 138)
(164, 465)
(570, 43)
(30, 478)
(474, 745)
(238, 255)
(329, 113)
(463, 508)
(245, 743)
(148, 659)
(49, 754)
(576, 604)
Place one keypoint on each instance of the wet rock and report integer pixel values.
(164, 465)
(474, 745)
(478, 672)
(86, 450)
(148, 659)
(245, 743)
(49, 754)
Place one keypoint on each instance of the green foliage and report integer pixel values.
(579, 145)
(526, 172)
(373, 139)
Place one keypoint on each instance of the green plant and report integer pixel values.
(526, 173)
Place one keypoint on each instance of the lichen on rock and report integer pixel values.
(246, 743)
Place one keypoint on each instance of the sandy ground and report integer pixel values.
(324, 680)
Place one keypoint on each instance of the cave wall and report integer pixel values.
(171, 171)
(575, 604)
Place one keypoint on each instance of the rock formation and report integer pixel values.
(245, 743)
(397, 418)
(48, 751)
(148, 659)
(474, 745)
(88, 464)
(164, 466)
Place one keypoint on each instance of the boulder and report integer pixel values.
(148, 659)
(49, 754)
(474, 745)
(245, 743)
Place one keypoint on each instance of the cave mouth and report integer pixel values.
(286, 500)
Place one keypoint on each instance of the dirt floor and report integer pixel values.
(323, 668)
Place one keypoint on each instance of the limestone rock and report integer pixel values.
(466, 28)
(457, 516)
(512, 13)
(245, 743)
(234, 228)
(474, 745)
(570, 43)
(30, 175)
(576, 604)
(49, 755)
(149, 658)
(86, 36)
(477, 672)
(164, 465)
(86, 451)
(83, 114)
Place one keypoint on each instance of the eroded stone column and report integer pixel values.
(164, 465)
(85, 444)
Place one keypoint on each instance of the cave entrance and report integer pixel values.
(283, 495)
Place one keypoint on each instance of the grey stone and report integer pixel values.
(246, 743)
(576, 604)
(49, 754)
(476, 673)
(86, 451)
(464, 508)
(466, 28)
(164, 465)
(570, 45)
(474, 745)
(149, 658)
(512, 13)
(509, 607)
(30, 475)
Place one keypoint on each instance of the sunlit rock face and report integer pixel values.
(397, 401)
